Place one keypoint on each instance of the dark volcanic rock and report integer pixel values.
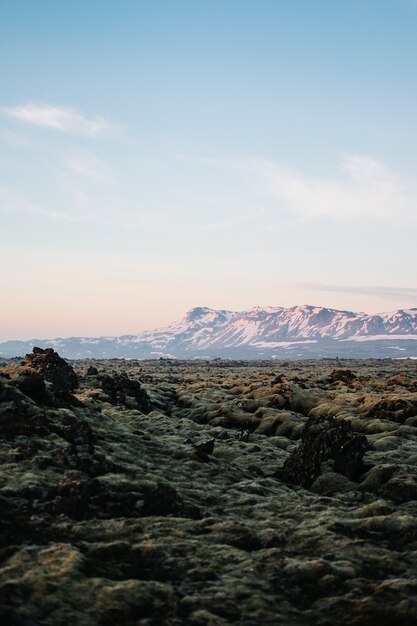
(324, 439)
(343, 375)
(80, 498)
(53, 368)
(32, 384)
(19, 415)
(204, 448)
(109, 516)
(118, 387)
(396, 409)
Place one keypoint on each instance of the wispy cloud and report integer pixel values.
(364, 188)
(63, 119)
(378, 291)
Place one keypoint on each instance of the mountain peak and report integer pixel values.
(204, 316)
(197, 312)
(260, 332)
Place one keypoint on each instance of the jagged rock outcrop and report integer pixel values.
(53, 368)
(326, 439)
(119, 388)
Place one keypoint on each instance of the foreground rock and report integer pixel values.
(44, 377)
(53, 368)
(164, 503)
(121, 390)
(326, 440)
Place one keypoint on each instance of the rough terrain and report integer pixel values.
(207, 493)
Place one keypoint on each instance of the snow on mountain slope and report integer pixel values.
(203, 328)
(195, 328)
(260, 330)
(401, 321)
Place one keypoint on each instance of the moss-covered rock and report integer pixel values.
(152, 494)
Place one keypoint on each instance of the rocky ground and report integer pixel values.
(207, 493)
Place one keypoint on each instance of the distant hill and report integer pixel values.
(261, 332)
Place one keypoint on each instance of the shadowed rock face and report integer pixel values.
(152, 494)
(53, 368)
(119, 387)
(326, 439)
(46, 378)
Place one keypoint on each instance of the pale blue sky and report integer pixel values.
(160, 155)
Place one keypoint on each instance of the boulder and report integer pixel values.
(325, 439)
(53, 368)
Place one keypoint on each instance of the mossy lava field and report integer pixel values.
(207, 493)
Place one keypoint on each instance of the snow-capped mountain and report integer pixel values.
(260, 332)
(195, 329)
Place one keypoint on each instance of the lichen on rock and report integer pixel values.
(210, 493)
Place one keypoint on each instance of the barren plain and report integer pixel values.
(207, 492)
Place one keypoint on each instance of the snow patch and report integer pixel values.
(282, 344)
(381, 338)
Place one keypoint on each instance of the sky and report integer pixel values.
(156, 156)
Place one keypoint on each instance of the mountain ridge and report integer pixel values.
(259, 332)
